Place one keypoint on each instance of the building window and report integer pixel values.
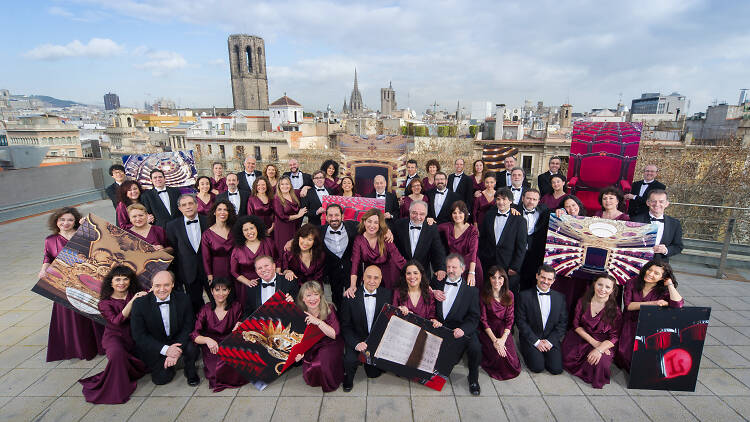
(260, 60)
(71, 153)
(526, 162)
(258, 156)
(274, 154)
(249, 55)
(222, 154)
(237, 55)
(210, 151)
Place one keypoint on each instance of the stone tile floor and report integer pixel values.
(32, 389)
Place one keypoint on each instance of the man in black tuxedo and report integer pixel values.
(517, 184)
(391, 202)
(338, 239)
(419, 241)
(639, 193)
(237, 197)
(502, 238)
(117, 171)
(247, 178)
(301, 182)
(358, 314)
(268, 283)
(460, 183)
(537, 221)
(504, 177)
(184, 234)
(669, 235)
(459, 311)
(161, 201)
(543, 180)
(542, 319)
(441, 198)
(314, 198)
(161, 323)
(411, 174)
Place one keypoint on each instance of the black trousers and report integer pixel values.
(338, 278)
(351, 362)
(194, 291)
(161, 375)
(473, 350)
(539, 361)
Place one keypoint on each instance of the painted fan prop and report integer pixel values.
(267, 343)
(178, 167)
(75, 277)
(353, 207)
(584, 246)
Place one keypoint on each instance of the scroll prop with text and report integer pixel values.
(668, 348)
(584, 246)
(267, 343)
(410, 347)
(74, 278)
(354, 206)
(178, 167)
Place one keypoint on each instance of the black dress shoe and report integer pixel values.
(474, 388)
(348, 385)
(193, 380)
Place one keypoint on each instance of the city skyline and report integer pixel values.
(585, 55)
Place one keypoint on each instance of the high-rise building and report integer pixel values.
(355, 101)
(656, 103)
(247, 67)
(387, 100)
(111, 101)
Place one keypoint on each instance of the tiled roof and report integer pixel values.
(285, 101)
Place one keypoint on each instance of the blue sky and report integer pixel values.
(584, 52)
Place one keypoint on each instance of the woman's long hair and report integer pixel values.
(239, 238)
(198, 181)
(119, 270)
(611, 307)
(324, 308)
(328, 163)
(424, 284)
(231, 216)
(308, 229)
(122, 192)
(581, 209)
(660, 289)
(291, 191)
(222, 281)
(488, 295)
(52, 221)
(382, 230)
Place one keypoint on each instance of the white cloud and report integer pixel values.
(59, 11)
(218, 63)
(161, 63)
(95, 48)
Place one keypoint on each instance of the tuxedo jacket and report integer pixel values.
(444, 215)
(111, 191)
(429, 248)
(155, 206)
(252, 301)
(464, 190)
(353, 318)
(147, 327)
(306, 178)
(405, 184)
(187, 264)
(638, 205)
(244, 196)
(312, 202)
(391, 203)
(672, 236)
(335, 265)
(543, 181)
(538, 237)
(501, 178)
(520, 198)
(529, 318)
(464, 313)
(508, 251)
(242, 185)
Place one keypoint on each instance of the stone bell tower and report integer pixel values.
(247, 67)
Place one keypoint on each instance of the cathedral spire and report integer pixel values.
(356, 105)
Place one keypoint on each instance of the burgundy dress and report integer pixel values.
(425, 309)
(215, 252)
(242, 262)
(406, 203)
(121, 216)
(481, 205)
(156, 236)
(575, 349)
(466, 245)
(220, 185)
(498, 318)
(71, 335)
(333, 186)
(573, 288)
(390, 263)
(621, 217)
(630, 320)
(220, 375)
(119, 379)
(203, 207)
(323, 363)
(551, 202)
(476, 186)
(284, 228)
(290, 261)
(257, 208)
(426, 185)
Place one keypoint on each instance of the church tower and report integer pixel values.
(355, 102)
(247, 67)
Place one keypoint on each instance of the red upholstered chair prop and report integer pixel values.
(595, 171)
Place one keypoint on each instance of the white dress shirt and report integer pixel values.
(507, 178)
(337, 243)
(380, 194)
(531, 220)
(456, 180)
(644, 186)
(165, 199)
(193, 232)
(234, 198)
(321, 193)
(450, 296)
(164, 310)
(409, 179)
(414, 236)
(516, 191)
(370, 307)
(439, 200)
(660, 228)
(296, 179)
(267, 291)
(545, 303)
(250, 177)
(500, 225)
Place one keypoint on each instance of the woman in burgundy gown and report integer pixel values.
(260, 203)
(119, 379)
(204, 198)
(499, 357)
(463, 238)
(306, 260)
(347, 187)
(370, 248)
(484, 199)
(417, 194)
(219, 182)
(71, 335)
(331, 170)
(214, 322)
(655, 285)
(413, 293)
(271, 173)
(432, 167)
(155, 235)
(477, 177)
(128, 193)
(572, 287)
(250, 242)
(217, 242)
(554, 200)
(588, 349)
(323, 363)
(612, 201)
(287, 213)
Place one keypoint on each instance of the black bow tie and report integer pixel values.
(516, 189)
(271, 284)
(440, 193)
(529, 212)
(235, 193)
(335, 231)
(370, 294)
(189, 222)
(294, 177)
(647, 183)
(415, 227)
(543, 293)
(162, 191)
(660, 220)
(320, 189)
(250, 174)
(166, 302)
(450, 283)
(458, 175)
(502, 214)
(381, 195)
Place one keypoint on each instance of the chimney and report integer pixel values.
(499, 119)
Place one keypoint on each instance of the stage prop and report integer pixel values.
(178, 167)
(602, 154)
(410, 347)
(668, 348)
(267, 343)
(494, 154)
(353, 207)
(584, 246)
(74, 278)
